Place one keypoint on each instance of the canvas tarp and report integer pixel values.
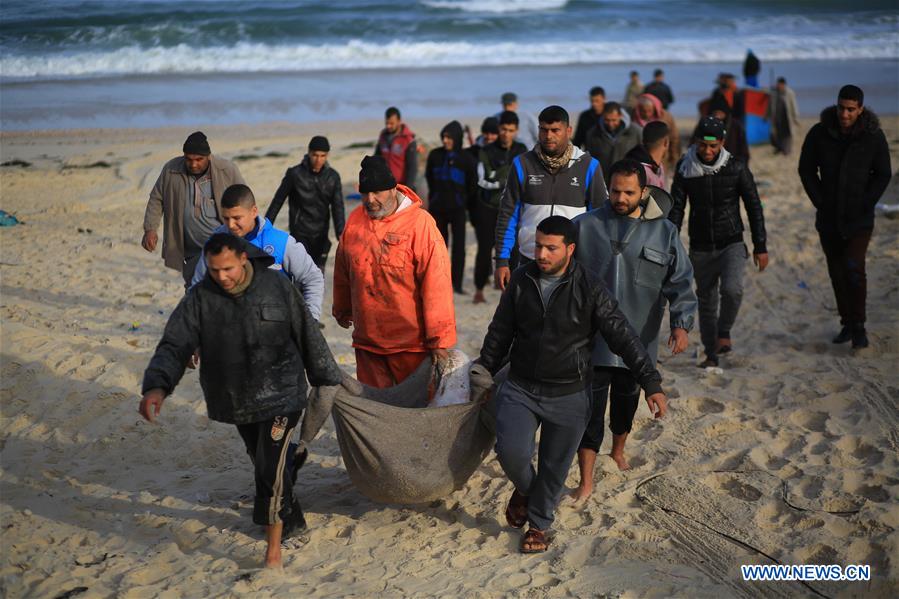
(395, 447)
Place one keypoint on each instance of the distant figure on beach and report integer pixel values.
(494, 166)
(187, 197)
(242, 219)
(397, 145)
(649, 109)
(314, 198)
(590, 117)
(629, 243)
(735, 140)
(732, 95)
(489, 133)
(259, 343)
(660, 89)
(714, 182)
(634, 88)
(527, 122)
(452, 176)
(612, 138)
(392, 281)
(652, 153)
(556, 177)
(546, 324)
(782, 117)
(845, 168)
(751, 68)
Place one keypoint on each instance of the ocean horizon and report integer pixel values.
(66, 64)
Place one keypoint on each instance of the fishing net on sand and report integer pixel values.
(396, 446)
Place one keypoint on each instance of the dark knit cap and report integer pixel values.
(196, 144)
(490, 125)
(319, 143)
(710, 128)
(375, 175)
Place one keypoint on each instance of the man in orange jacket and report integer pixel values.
(392, 281)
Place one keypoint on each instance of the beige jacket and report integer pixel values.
(169, 195)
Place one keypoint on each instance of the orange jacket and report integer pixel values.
(392, 278)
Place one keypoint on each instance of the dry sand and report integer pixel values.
(792, 452)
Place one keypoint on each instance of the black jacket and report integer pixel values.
(715, 220)
(314, 199)
(551, 345)
(845, 175)
(256, 348)
(586, 121)
(452, 176)
(660, 90)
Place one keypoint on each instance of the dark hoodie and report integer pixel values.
(844, 175)
(452, 176)
(258, 348)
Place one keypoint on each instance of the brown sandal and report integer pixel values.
(517, 510)
(534, 537)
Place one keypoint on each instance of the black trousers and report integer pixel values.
(268, 444)
(318, 248)
(485, 230)
(453, 219)
(625, 394)
(846, 267)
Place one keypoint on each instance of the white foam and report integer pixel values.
(357, 54)
(497, 6)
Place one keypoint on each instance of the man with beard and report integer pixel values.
(714, 182)
(392, 281)
(187, 197)
(636, 251)
(546, 323)
(555, 178)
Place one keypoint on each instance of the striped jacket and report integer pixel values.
(532, 193)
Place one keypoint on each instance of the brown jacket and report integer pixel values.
(169, 195)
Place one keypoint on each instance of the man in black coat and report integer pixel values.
(259, 342)
(547, 320)
(714, 182)
(452, 176)
(845, 168)
(590, 117)
(315, 197)
(660, 89)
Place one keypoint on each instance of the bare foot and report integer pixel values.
(619, 459)
(273, 561)
(479, 297)
(583, 491)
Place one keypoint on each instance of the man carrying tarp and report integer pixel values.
(259, 342)
(549, 316)
(392, 281)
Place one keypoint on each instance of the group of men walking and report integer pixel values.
(587, 252)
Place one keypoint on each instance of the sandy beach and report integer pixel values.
(790, 453)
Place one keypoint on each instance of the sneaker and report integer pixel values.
(859, 337)
(844, 336)
(709, 362)
(294, 523)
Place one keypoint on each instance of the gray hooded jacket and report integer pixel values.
(643, 264)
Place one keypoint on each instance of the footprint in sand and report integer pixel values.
(812, 421)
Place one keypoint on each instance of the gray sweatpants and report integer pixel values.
(719, 279)
(562, 421)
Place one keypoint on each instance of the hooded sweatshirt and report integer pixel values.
(452, 175)
(655, 172)
(392, 279)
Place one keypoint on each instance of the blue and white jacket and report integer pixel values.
(532, 193)
(290, 256)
